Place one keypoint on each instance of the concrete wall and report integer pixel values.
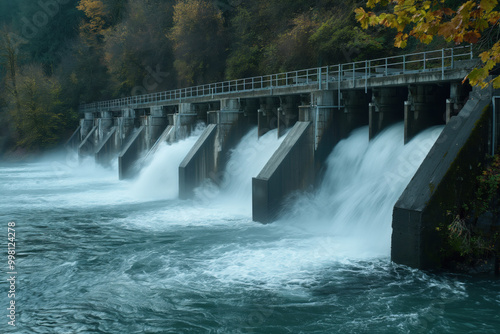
(211, 153)
(87, 146)
(199, 164)
(445, 179)
(268, 114)
(386, 108)
(425, 107)
(290, 168)
(107, 149)
(288, 113)
(130, 154)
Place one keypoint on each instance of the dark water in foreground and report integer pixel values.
(95, 255)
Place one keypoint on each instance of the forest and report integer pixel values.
(56, 54)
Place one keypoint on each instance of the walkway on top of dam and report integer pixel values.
(424, 67)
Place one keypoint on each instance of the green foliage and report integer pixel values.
(41, 118)
(470, 242)
(488, 187)
(198, 42)
(137, 47)
(464, 236)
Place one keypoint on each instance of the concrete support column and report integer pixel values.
(288, 113)
(250, 110)
(425, 107)
(183, 120)
(208, 157)
(267, 114)
(104, 123)
(386, 108)
(86, 124)
(322, 114)
(157, 122)
(356, 112)
(228, 131)
(126, 123)
(327, 121)
(458, 97)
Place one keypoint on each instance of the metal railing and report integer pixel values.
(321, 77)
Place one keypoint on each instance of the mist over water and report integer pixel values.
(97, 255)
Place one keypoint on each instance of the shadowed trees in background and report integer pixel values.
(138, 53)
(199, 42)
(87, 50)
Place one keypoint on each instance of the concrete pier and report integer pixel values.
(200, 163)
(86, 125)
(184, 120)
(291, 168)
(210, 154)
(157, 122)
(445, 178)
(107, 148)
(268, 114)
(288, 113)
(130, 154)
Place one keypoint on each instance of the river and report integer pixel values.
(98, 255)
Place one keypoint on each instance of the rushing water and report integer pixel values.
(95, 255)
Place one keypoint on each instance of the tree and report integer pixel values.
(47, 27)
(338, 39)
(9, 60)
(471, 22)
(41, 119)
(245, 55)
(137, 52)
(199, 42)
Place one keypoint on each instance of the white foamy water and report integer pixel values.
(160, 178)
(96, 258)
(363, 181)
(234, 189)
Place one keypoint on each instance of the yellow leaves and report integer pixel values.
(362, 17)
(488, 5)
(477, 77)
(401, 40)
(426, 39)
(423, 19)
(95, 11)
(496, 82)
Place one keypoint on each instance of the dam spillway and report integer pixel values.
(313, 110)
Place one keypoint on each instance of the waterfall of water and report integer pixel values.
(363, 181)
(160, 178)
(234, 191)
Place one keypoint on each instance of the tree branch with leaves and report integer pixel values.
(426, 19)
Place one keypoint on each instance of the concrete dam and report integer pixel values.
(312, 111)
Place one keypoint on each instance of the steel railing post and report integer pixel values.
(318, 76)
(442, 64)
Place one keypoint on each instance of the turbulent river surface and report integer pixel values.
(98, 255)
